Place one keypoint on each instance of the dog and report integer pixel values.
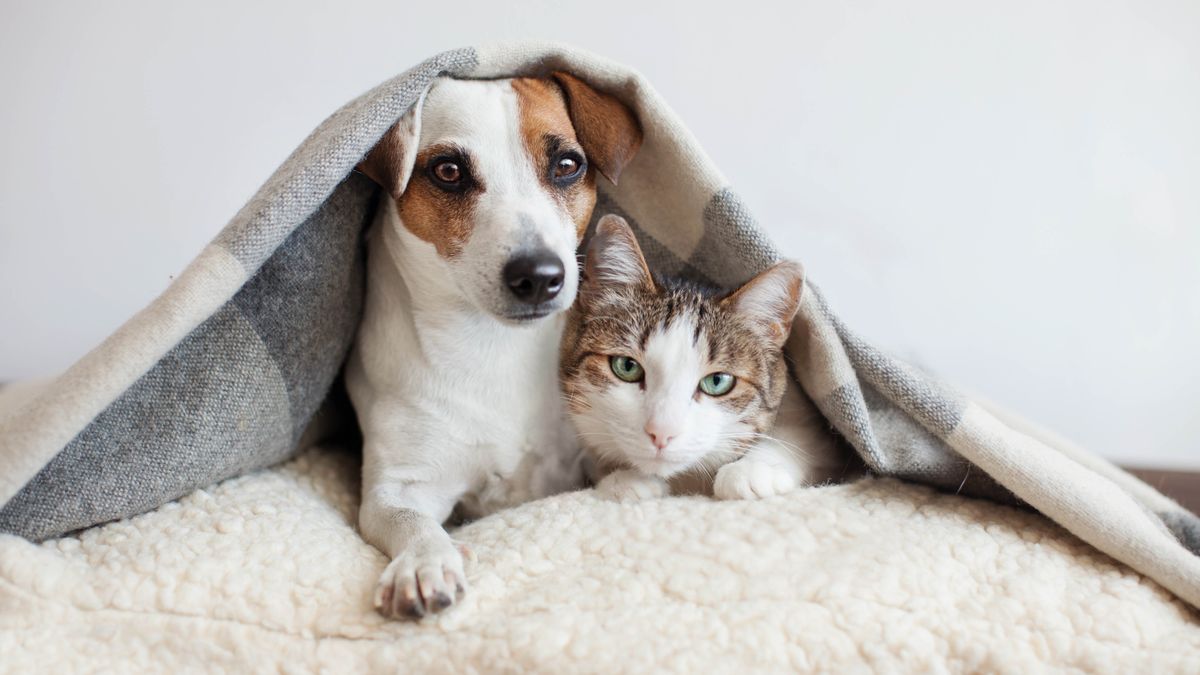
(488, 187)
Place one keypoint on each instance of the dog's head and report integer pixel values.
(498, 180)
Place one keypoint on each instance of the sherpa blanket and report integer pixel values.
(224, 372)
(265, 573)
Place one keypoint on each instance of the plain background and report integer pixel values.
(1006, 193)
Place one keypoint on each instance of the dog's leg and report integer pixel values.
(403, 520)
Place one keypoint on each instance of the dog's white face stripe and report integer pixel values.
(484, 119)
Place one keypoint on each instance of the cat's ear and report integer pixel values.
(771, 299)
(614, 258)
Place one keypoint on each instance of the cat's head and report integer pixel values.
(663, 376)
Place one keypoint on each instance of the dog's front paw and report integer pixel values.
(750, 479)
(627, 485)
(423, 579)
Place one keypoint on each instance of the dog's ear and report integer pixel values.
(608, 131)
(390, 162)
(614, 259)
(771, 299)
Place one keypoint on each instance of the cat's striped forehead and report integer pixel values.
(626, 320)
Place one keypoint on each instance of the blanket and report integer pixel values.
(225, 372)
(265, 573)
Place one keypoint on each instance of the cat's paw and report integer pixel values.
(630, 486)
(424, 579)
(750, 479)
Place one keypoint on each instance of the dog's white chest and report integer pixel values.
(519, 443)
(465, 402)
(524, 472)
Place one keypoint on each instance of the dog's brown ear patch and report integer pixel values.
(390, 162)
(544, 116)
(608, 131)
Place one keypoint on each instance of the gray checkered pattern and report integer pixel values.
(232, 397)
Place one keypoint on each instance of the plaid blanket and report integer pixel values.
(226, 370)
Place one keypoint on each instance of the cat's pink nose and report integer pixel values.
(658, 437)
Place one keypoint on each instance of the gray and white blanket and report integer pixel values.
(226, 370)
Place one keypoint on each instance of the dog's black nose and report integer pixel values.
(535, 277)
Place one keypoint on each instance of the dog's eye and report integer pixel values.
(567, 168)
(448, 172)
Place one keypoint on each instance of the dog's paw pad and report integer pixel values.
(421, 582)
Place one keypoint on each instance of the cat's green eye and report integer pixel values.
(626, 368)
(717, 384)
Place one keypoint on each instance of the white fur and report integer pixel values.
(457, 403)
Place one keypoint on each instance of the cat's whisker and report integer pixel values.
(790, 446)
(577, 401)
(600, 434)
(755, 436)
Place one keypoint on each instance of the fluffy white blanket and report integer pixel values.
(266, 573)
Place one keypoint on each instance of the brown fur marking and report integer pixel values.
(383, 163)
(608, 131)
(441, 218)
(544, 120)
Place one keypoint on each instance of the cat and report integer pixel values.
(675, 387)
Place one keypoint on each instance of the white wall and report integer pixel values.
(1008, 193)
